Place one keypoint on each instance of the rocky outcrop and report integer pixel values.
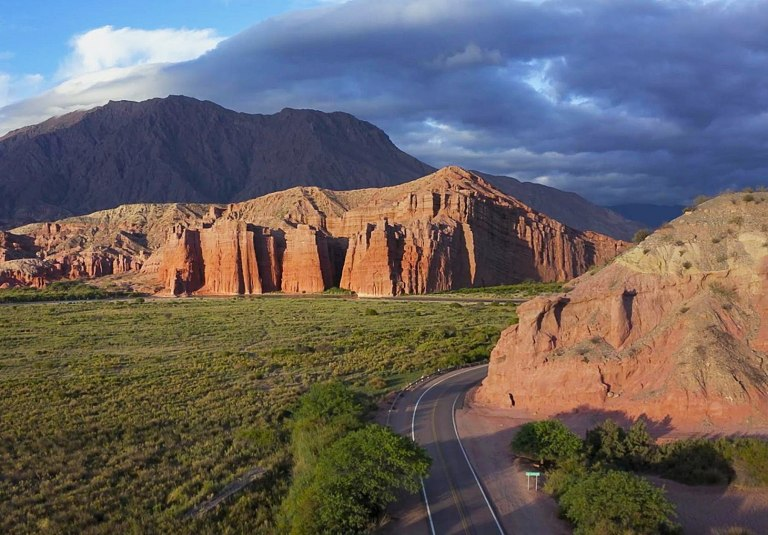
(448, 230)
(676, 327)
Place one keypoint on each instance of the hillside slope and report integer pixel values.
(180, 149)
(675, 328)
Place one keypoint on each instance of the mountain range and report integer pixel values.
(179, 149)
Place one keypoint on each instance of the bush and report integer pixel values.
(694, 462)
(548, 441)
(640, 235)
(371, 312)
(614, 502)
(324, 414)
(609, 444)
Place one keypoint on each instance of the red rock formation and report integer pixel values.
(307, 264)
(676, 327)
(448, 230)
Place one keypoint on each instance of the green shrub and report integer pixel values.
(371, 312)
(694, 462)
(614, 502)
(749, 459)
(547, 441)
(640, 235)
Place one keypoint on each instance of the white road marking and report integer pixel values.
(466, 458)
(413, 437)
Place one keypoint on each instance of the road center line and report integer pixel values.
(413, 437)
(466, 458)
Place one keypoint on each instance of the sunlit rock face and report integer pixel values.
(675, 328)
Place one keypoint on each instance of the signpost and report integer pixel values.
(535, 475)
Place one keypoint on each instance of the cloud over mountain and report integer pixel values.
(642, 100)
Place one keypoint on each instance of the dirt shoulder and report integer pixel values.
(485, 434)
(701, 509)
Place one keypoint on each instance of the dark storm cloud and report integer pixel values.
(632, 100)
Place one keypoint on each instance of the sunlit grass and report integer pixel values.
(120, 416)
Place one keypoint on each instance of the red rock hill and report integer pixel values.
(450, 229)
(676, 327)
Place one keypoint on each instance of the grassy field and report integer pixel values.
(522, 290)
(118, 417)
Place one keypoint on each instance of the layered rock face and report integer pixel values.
(445, 231)
(113, 242)
(676, 327)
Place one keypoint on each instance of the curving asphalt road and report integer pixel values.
(453, 497)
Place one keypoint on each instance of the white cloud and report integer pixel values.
(107, 47)
(473, 55)
(105, 63)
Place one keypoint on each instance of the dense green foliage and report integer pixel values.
(694, 461)
(511, 291)
(548, 441)
(61, 291)
(354, 480)
(614, 502)
(609, 444)
(594, 499)
(345, 472)
(118, 417)
(326, 413)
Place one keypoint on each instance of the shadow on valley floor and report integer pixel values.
(701, 509)
(582, 418)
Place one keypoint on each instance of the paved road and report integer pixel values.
(452, 495)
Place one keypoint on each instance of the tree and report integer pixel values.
(605, 444)
(640, 447)
(614, 502)
(547, 441)
(355, 479)
(325, 413)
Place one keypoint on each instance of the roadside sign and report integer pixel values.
(535, 475)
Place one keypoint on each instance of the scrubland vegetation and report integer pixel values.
(595, 481)
(61, 291)
(120, 417)
(511, 291)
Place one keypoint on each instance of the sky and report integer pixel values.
(620, 101)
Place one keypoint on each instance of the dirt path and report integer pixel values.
(234, 487)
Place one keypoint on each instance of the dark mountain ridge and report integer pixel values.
(184, 150)
(179, 149)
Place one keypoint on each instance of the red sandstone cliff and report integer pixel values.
(675, 327)
(447, 230)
